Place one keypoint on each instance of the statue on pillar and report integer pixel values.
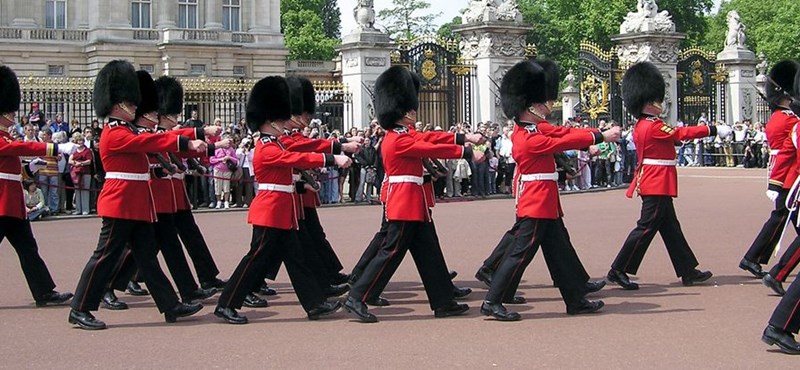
(735, 37)
(763, 65)
(364, 13)
(647, 18)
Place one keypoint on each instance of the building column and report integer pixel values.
(24, 13)
(167, 13)
(265, 15)
(119, 13)
(213, 15)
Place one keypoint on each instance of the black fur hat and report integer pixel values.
(309, 96)
(395, 95)
(9, 91)
(551, 77)
(170, 95)
(524, 84)
(296, 92)
(147, 88)
(783, 74)
(641, 85)
(115, 83)
(269, 101)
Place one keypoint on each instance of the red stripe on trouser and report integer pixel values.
(784, 272)
(102, 258)
(524, 257)
(249, 263)
(789, 318)
(380, 272)
(636, 246)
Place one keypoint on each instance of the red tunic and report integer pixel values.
(402, 159)
(533, 152)
(272, 165)
(655, 140)
(164, 193)
(310, 199)
(12, 199)
(782, 171)
(123, 150)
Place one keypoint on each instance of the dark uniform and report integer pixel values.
(778, 128)
(655, 180)
(14, 223)
(125, 203)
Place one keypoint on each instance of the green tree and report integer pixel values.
(310, 32)
(446, 30)
(403, 19)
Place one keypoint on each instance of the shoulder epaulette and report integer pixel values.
(401, 130)
(667, 128)
(652, 119)
(266, 138)
(788, 112)
(531, 128)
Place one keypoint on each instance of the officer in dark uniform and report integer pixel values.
(125, 203)
(14, 223)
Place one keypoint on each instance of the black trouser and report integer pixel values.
(323, 275)
(167, 242)
(787, 315)
(115, 234)
(196, 246)
(529, 234)
(764, 245)
(419, 238)
(20, 235)
(658, 215)
(267, 247)
(788, 261)
(324, 249)
(375, 245)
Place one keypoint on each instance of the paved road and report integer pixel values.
(663, 325)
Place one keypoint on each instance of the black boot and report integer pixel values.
(182, 310)
(135, 289)
(111, 302)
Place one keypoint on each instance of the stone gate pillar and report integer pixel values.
(740, 63)
(493, 39)
(570, 96)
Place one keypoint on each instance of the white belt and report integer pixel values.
(10, 177)
(127, 176)
(276, 187)
(296, 177)
(774, 151)
(660, 162)
(412, 179)
(539, 177)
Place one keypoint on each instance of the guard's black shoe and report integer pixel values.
(696, 276)
(453, 274)
(135, 289)
(484, 275)
(336, 290)
(352, 280)
(595, 286)
(53, 298)
(516, 300)
(340, 279)
(216, 283)
(459, 293)
(111, 302)
(85, 320)
(499, 312)
(773, 284)
(452, 309)
(253, 301)
(230, 315)
(585, 306)
(324, 309)
(182, 310)
(360, 310)
(199, 295)
(266, 290)
(620, 278)
(752, 268)
(782, 338)
(378, 302)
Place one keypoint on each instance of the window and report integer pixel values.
(197, 69)
(149, 68)
(55, 70)
(55, 14)
(231, 15)
(239, 70)
(140, 13)
(187, 13)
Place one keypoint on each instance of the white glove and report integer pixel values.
(723, 131)
(37, 164)
(772, 195)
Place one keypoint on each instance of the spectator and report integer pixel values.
(67, 191)
(59, 125)
(366, 159)
(88, 137)
(759, 138)
(29, 133)
(224, 162)
(493, 163)
(98, 174)
(584, 170)
(19, 127)
(97, 128)
(48, 176)
(740, 137)
(36, 117)
(194, 121)
(504, 152)
(81, 173)
(34, 201)
(246, 188)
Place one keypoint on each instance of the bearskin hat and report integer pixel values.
(780, 82)
(523, 85)
(269, 101)
(309, 96)
(9, 91)
(147, 88)
(296, 93)
(641, 85)
(551, 77)
(115, 83)
(395, 95)
(170, 95)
